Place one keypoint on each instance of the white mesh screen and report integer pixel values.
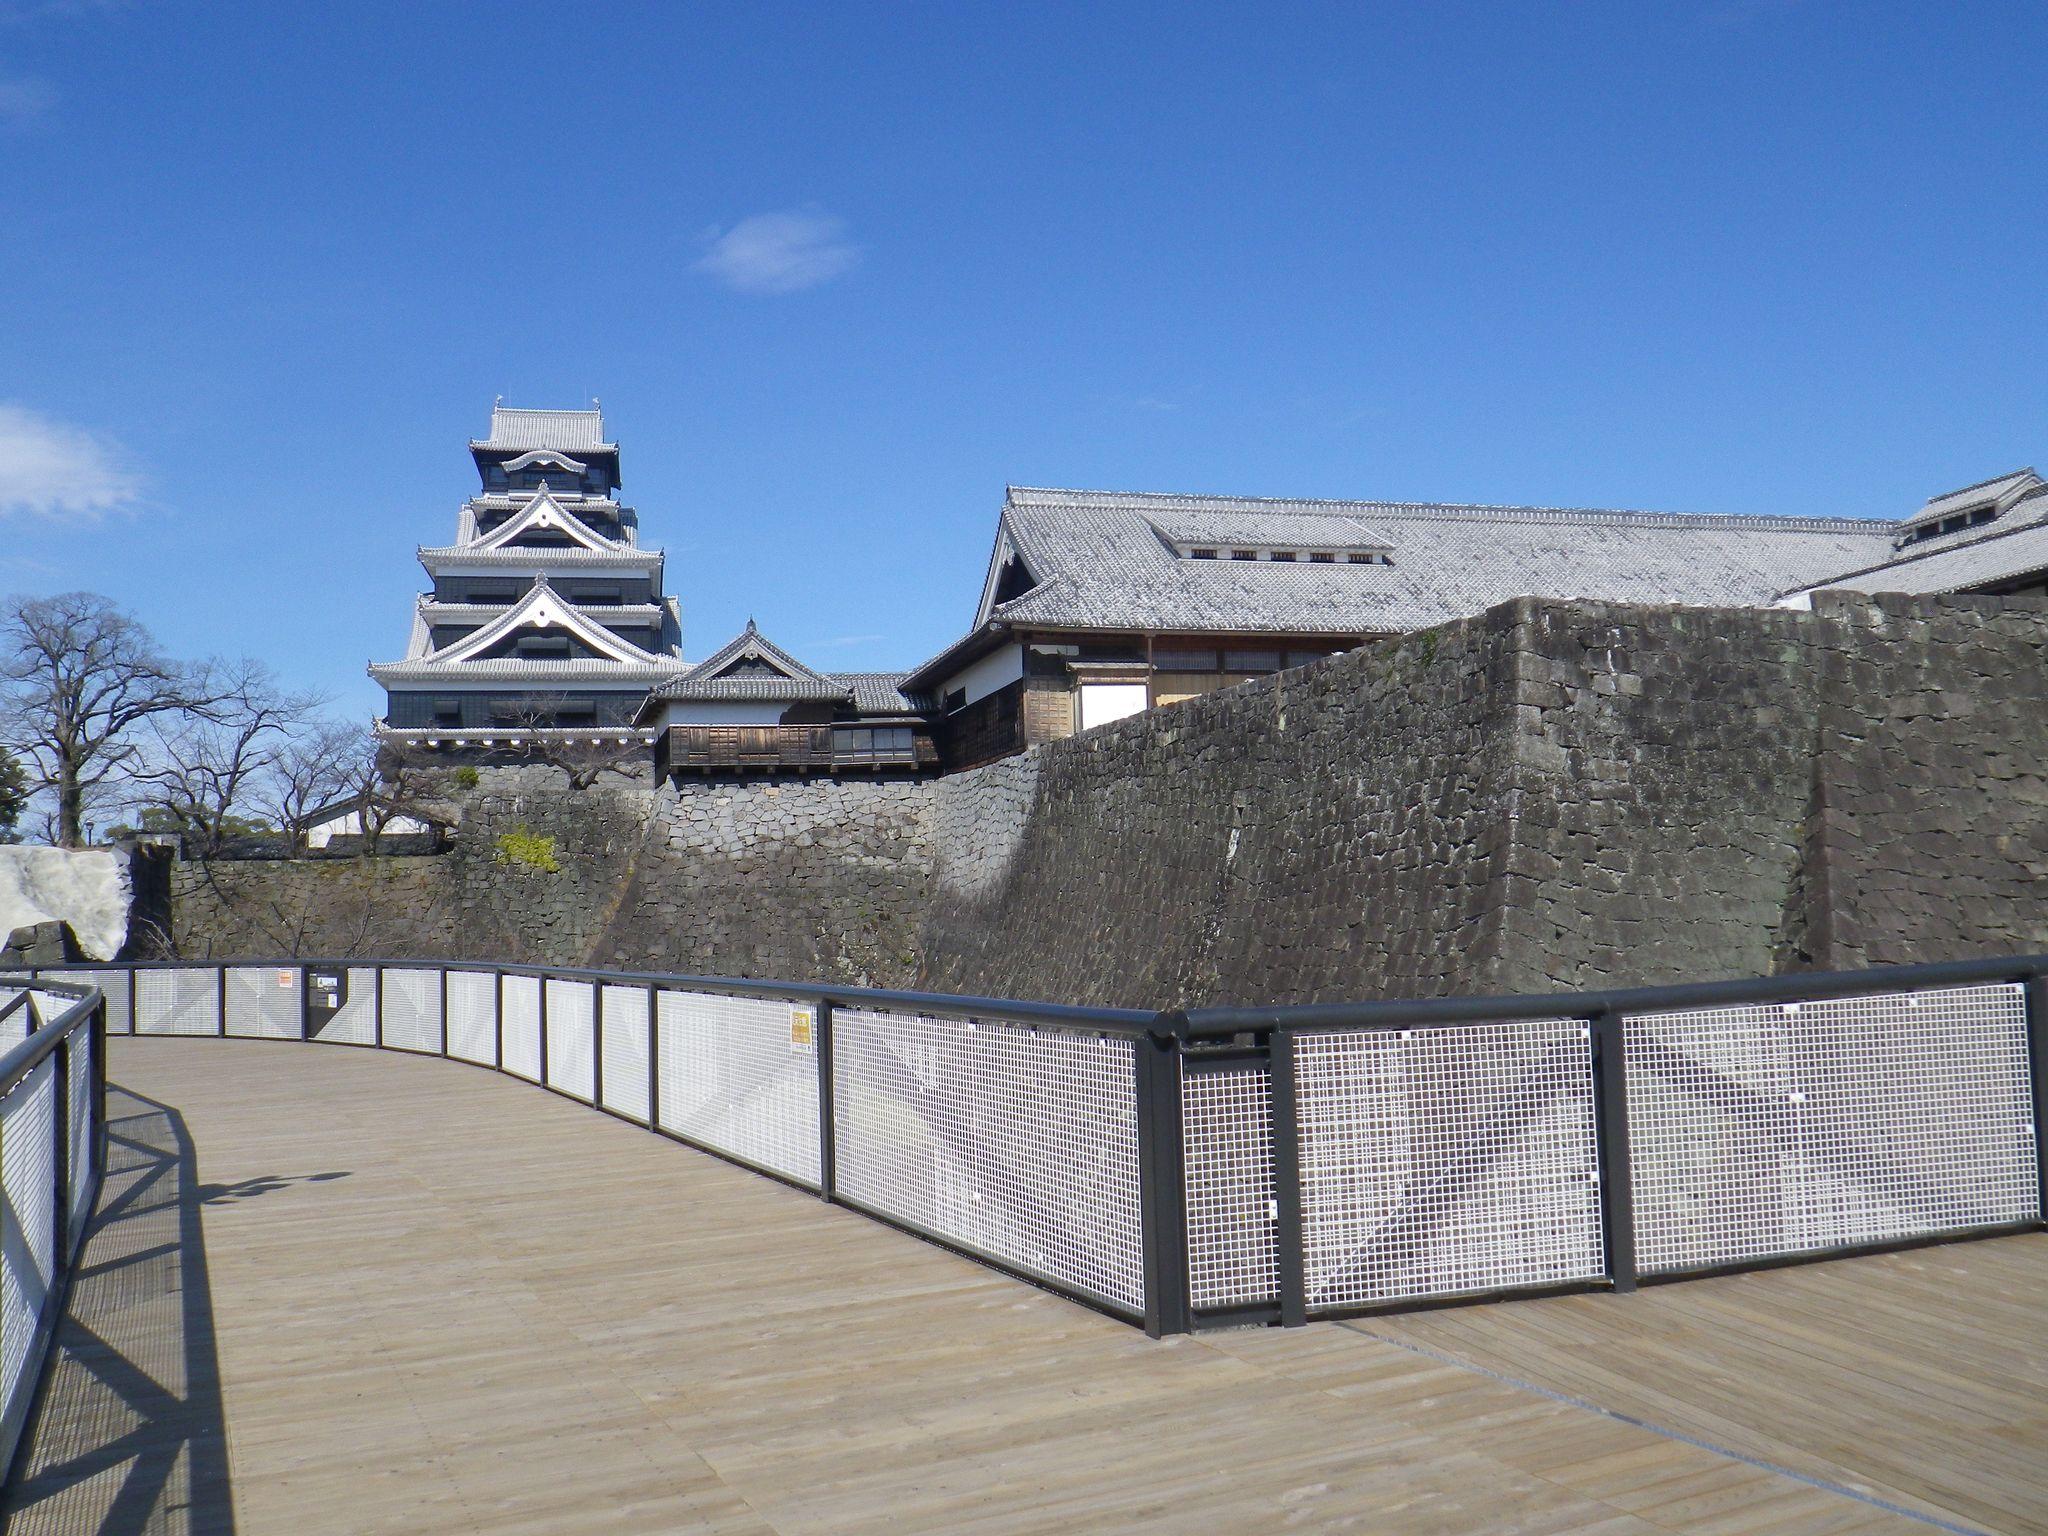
(81, 1105)
(265, 1001)
(1440, 1161)
(570, 1038)
(1020, 1144)
(1779, 1128)
(412, 1010)
(183, 1002)
(355, 1021)
(473, 1016)
(1227, 1131)
(625, 1050)
(521, 1001)
(119, 1016)
(28, 1185)
(740, 1075)
(15, 1027)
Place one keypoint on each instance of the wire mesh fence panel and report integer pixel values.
(28, 1247)
(624, 1021)
(1439, 1162)
(15, 1027)
(81, 1103)
(266, 1002)
(177, 1002)
(120, 1017)
(521, 1028)
(740, 1075)
(1785, 1127)
(1227, 1131)
(473, 1016)
(355, 1021)
(412, 1010)
(571, 1040)
(1019, 1144)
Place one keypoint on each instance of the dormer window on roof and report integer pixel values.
(1970, 507)
(1281, 554)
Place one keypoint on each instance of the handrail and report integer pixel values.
(1791, 986)
(25, 1056)
(1131, 1021)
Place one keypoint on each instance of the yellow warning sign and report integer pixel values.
(801, 1032)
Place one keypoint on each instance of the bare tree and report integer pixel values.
(314, 768)
(584, 753)
(211, 767)
(79, 682)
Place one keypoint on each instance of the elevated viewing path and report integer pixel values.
(353, 1291)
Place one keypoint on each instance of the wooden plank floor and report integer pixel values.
(352, 1292)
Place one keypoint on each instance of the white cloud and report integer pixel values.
(779, 252)
(52, 469)
(24, 98)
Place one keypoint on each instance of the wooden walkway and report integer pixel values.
(342, 1291)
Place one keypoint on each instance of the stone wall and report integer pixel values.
(1331, 831)
(1548, 794)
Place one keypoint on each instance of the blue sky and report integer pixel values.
(839, 272)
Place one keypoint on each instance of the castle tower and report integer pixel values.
(546, 614)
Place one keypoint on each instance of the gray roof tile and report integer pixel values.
(569, 431)
(1099, 560)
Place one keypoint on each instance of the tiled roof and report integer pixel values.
(1985, 554)
(570, 431)
(439, 557)
(880, 693)
(1102, 559)
(772, 674)
(1984, 491)
(2008, 555)
(584, 674)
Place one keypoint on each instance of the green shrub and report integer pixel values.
(529, 850)
(466, 777)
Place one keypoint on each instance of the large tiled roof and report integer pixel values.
(1105, 559)
(572, 431)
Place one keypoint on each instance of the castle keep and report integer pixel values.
(547, 620)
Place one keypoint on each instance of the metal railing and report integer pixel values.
(53, 1144)
(1234, 1166)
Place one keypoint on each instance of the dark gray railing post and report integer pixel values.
(597, 1043)
(444, 1008)
(220, 1000)
(377, 1006)
(653, 1057)
(101, 1135)
(498, 1012)
(541, 986)
(2036, 993)
(1287, 1234)
(1617, 1190)
(1162, 1181)
(62, 1065)
(828, 1141)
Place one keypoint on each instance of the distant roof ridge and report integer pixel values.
(1460, 511)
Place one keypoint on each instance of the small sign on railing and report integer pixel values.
(803, 1033)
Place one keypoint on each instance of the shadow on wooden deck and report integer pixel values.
(129, 1435)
